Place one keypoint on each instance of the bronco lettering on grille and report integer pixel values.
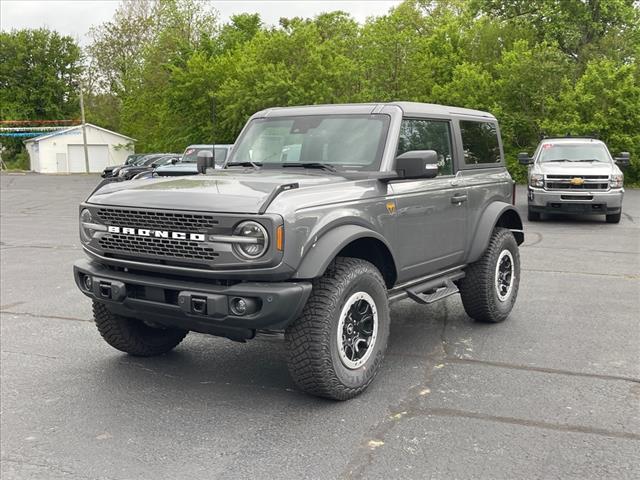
(147, 232)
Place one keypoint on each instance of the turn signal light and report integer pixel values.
(280, 238)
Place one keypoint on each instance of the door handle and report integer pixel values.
(458, 198)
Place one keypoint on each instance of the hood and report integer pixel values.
(225, 191)
(575, 168)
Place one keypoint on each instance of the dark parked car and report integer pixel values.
(131, 159)
(145, 164)
(187, 163)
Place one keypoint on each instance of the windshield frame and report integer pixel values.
(373, 167)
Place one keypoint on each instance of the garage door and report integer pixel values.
(98, 158)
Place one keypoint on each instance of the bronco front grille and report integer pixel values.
(173, 221)
(157, 247)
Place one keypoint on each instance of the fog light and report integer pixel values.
(87, 282)
(243, 306)
(239, 306)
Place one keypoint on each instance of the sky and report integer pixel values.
(75, 17)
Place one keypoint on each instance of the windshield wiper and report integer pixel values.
(323, 166)
(558, 160)
(247, 163)
(590, 160)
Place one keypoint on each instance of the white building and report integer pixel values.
(63, 151)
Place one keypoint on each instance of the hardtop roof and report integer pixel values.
(408, 109)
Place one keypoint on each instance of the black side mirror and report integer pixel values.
(204, 161)
(154, 165)
(623, 159)
(524, 158)
(417, 164)
(174, 161)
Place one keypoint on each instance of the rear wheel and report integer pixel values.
(133, 336)
(337, 345)
(490, 287)
(614, 217)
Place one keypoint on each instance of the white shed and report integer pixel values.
(63, 151)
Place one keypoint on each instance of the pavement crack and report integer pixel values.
(528, 368)
(562, 427)
(37, 315)
(29, 354)
(565, 272)
(374, 438)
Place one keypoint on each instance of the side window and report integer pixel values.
(416, 134)
(480, 142)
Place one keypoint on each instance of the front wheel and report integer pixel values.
(490, 287)
(133, 336)
(614, 217)
(337, 345)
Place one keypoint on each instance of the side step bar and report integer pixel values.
(431, 289)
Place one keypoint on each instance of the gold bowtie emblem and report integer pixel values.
(577, 181)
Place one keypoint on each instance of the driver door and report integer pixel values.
(431, 212)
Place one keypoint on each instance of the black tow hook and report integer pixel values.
(109, 289)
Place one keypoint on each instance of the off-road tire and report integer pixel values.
(312, 345)
(533, 216)
(614, 218)
(477, 288)
(133, 336)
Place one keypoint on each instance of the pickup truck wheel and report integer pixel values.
(133, 336)
(533, 216)
(337, 345)
(490, 286)
(614, 218)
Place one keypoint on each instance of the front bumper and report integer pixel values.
(193, 305)
(577, 202)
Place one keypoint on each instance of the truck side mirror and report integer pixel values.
(204, 161)
(524, 158)
(417, 164)
(622, 160)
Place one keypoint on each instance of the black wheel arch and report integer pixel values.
(497, 214)
(349, 241)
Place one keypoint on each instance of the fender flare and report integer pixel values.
(326, 247)
(488, 221)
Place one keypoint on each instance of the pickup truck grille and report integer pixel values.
(563, 182)
(177, 251)
(174, 221)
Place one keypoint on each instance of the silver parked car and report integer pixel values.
(576, 176)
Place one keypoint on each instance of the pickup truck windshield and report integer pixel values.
(578, 152)
(335, 141)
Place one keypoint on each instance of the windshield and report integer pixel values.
(190, 155)
(574, 152)
(345, 141)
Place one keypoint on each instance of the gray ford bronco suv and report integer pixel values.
(322, 216)
(576, 176)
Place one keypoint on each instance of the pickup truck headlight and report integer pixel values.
(254, 240)
(536, 180)
(616, 180)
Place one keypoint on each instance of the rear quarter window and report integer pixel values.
(480, 142)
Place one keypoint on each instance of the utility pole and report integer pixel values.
(84, 131)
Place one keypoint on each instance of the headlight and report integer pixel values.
(536, 180)
(122, 173)
(616, 180)
(254, 241)
(86, 220)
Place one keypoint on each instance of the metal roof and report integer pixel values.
(408, 108)
(66, 130)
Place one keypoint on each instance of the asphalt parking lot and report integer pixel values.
(554, 392)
